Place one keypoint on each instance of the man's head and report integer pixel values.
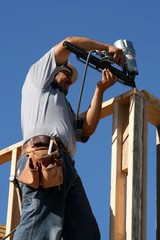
(66, 76)
(72, 70)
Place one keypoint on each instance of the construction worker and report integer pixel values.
(54, 202)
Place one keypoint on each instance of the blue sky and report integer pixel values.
(29, 29)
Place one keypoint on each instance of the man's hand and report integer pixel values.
(118, 55)
(108, 79)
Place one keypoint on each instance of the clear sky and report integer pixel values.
(29, 29)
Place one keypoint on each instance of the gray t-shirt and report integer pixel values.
(45, 110)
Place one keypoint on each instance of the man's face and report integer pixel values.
(63, 78)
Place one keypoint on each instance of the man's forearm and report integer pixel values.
(87, 44)
(93, 114)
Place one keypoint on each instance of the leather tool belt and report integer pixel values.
(42, 168)
(43, 141)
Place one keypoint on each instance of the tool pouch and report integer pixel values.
(42, 169)
(52, 175)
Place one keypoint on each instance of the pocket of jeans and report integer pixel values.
(30, 204)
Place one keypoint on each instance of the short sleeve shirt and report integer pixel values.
(45, 110)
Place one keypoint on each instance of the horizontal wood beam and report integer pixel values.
(2, 231)
(6, 153)
(152, 102)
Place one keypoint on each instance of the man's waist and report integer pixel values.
(43, 141)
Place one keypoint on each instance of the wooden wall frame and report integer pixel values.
(128, 199)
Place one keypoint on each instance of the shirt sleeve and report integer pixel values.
(79, 137)
(42, 72)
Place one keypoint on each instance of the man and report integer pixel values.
(60, 210)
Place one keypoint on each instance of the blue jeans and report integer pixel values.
(56, 213)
